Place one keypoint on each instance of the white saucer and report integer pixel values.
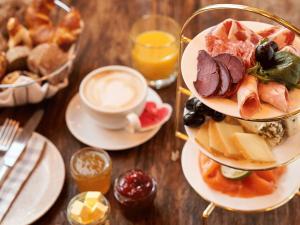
(288, 185)
(84, 128)
(41, 189)
(224, 105)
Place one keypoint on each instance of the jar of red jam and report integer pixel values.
(135, 191)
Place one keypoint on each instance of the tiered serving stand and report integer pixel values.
(189, 30)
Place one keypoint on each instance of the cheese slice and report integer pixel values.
(214, 140)
(225, 132)
(251, 126)
(253, 147)
(202, 136)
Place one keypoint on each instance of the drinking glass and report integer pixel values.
(155, 49)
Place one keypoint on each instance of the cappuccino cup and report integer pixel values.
(114, 96)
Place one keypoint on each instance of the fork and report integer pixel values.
(7, 133)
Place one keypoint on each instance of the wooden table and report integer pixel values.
(104, 42)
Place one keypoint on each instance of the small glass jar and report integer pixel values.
(80, 197)
(135, 205)
(91, 169)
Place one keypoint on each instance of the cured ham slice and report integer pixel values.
(247, 97)
(281, 35)
(233, 30)
(234, 38)
(275, 94)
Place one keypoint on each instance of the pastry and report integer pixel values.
(3, 64)
(17, 57)
(11, 78)
(46, 58)
(42, 34)
(18, 34)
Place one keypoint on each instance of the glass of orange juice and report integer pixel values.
(155, 47)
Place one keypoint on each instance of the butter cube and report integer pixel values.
(91, 198)
(98, 211)
(80, 212)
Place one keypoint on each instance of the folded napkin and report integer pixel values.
(20, 173)
(33, 93)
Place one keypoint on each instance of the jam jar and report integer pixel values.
(91, 169)
(135, 191)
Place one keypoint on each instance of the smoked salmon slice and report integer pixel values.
(256, 184)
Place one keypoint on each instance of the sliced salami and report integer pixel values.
(225, 79)
(234, 65)
(208, 78)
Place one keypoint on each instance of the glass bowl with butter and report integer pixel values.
(88, 208)
(91, 169)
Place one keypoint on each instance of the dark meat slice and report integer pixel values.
(225, 79)
(234, 65)
(208, 78)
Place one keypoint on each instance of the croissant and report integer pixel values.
(17, 33)
(33, 18)
(3, 64)
(43, 6)
(68, 30)
(64, 38)
(72, 22)
(42, 34)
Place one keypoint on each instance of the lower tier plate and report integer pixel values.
(288, 186)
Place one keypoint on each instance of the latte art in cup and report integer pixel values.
(114, 90)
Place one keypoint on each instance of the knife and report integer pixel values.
(19, 145)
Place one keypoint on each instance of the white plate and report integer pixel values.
(41, 189)
(224, 105)
(288, 185)
(285, 152)
(84, 128)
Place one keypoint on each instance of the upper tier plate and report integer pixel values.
(227, 106)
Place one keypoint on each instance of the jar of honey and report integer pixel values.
(91, 169)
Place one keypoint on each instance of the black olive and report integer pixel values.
(191, 119)
(199, 108)
(274, 46)
(208, 111)
(264, 54)
(189, 105)
(217, 116)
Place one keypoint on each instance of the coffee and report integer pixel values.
(114, 90)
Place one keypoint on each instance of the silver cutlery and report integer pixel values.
(8, 132)
(19, 144)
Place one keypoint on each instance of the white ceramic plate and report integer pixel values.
(228, 106)
(287, 151)
(41, 189)
(288, 185)
(84, 128)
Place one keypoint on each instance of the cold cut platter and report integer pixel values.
(245, 69)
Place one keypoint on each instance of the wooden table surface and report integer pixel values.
(104, 42)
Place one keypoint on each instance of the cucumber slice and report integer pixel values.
(234, 174)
